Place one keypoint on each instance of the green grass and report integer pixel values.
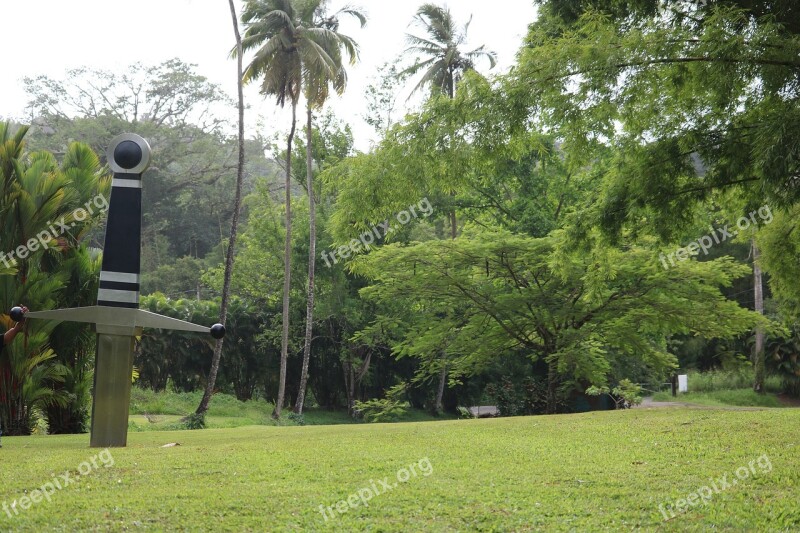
(164, 410)
(587, 472)
(729, 380)
(738, 397)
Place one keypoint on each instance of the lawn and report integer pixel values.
(718, 398)
(164, 410)
(592, 471)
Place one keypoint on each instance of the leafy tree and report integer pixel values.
(458, 153)
(381, 96)
(170, 93)
(190, 186)
(579, 313)
(695, 99)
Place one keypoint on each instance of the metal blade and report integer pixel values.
(118, 317)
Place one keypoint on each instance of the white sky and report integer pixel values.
(51, 36)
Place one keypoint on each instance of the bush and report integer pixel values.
(297, 418)
(529, 398)
(729, 380)
(195, 421)
(625, 395)
(464, 412)
(388, 409)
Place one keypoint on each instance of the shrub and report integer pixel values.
(388, 409)
(625, 395)
(195, 421)
(297, 419)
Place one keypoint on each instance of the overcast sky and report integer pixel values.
(51, 36)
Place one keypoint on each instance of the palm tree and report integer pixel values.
(317, 89)
(291, 50)
(34, 191)
(237, 204)
(444, 64)
(443, 60)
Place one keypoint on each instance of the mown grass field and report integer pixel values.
(586, 472)
(153, 411)
(718, 398)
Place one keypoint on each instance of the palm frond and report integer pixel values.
(482, 53)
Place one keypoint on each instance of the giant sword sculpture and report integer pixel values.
(117, 317)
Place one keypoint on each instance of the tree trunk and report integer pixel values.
(440, 392)
(453, 222)
(237, 202)
(758, 353)
(552, 386)
(349, 380)
(287, 272)
(312, 253)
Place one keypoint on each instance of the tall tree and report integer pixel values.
(443, 60)
(444, 63)
(316, 91)
(237, 204)
(723, 75)
(289, 49)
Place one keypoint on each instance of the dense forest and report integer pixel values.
(618, 207)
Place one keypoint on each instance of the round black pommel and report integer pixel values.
(128, 154)
(16, 314)
(217, 331)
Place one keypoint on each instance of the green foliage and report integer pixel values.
(577, 313)
(528, 397)
(722, 380)
(442, 59)
(464, 412)
(625, 395)
(297, 47)
(691, 104)
(190, 184)
(507, 399)
(389, 409)
(195, 421)
(297, 419)
(44, 373)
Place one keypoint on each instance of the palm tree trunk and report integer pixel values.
(237, 203)
(287, 270)
(758, 354)
(312, 254)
